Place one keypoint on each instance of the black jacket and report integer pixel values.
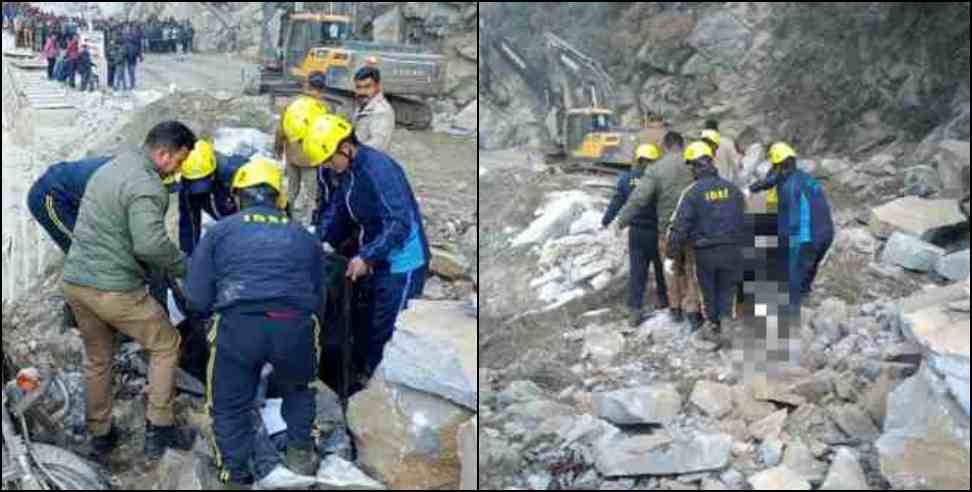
(711, 212)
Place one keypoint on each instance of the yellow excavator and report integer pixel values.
(593, 135)
(312, 42)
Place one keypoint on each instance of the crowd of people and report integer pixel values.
(58, 39)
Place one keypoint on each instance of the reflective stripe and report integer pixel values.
(317, 340)
(210, 370)
(52, 214)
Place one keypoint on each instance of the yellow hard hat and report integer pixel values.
(780, 152)
(712, 136)
(261, 171)
(648, 151)
(201, 162)
(299, 116)
(697, 150)
(325, 135)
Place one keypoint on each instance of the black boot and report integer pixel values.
(696, 320)
(678, 316)
(102, 446)
(158, 439)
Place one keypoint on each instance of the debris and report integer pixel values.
(712, 398)
(911, 253)
(657, 404)
(845, 472)
(924, 219)
(779, 478)
(663, 455)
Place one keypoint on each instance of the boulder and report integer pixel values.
(922, 181)
(435, 350)
(407, 439)
(602, 345)
(924, 219)
(954, 267)
(943, 334)
(712, 398)
(770, 427)
(950, 160)
(449, 264)
(854, 421)
(911, 253)
(845, 472)
(662, 455)
(779, 478)
(926, 436)
(469, 454)
(656, 404)
(801, 460)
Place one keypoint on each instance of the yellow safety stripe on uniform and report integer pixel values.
(210, 371)
(317, 339)
(52, 214)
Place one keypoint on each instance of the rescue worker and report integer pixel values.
(661, 187)
(374, 116)
(805, 226)
(642, 237)
(54, 201)
(264, 306)
(374, 194)
(119, 238)
(294, 124)
(710, 215)
(726, 158)
(207, 181)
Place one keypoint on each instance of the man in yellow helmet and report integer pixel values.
(805, 226)
(375, 196)
(711, 215)
(725, 154)
(207, 180)
(302, 191)
(660, 189)
(642, 237)
(264, 305)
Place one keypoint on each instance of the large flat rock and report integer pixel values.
(436, 350)
(924, 219)
(911, 253)
(657, 404)
(944, 336)
(661, 455)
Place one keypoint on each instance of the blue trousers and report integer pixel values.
(380, 299)
(241, 343)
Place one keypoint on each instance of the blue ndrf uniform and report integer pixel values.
(55, 198)
(327, 187)
(642, 243)
(262, 276)
(375, 197)
(805, 227)
(711, 216)
(212, 195)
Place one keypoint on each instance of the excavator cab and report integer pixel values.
(589, 133)
(305, 31)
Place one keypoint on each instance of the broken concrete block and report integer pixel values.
(661, 455)
(656, 404)
(924, 219)
(911, 253)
